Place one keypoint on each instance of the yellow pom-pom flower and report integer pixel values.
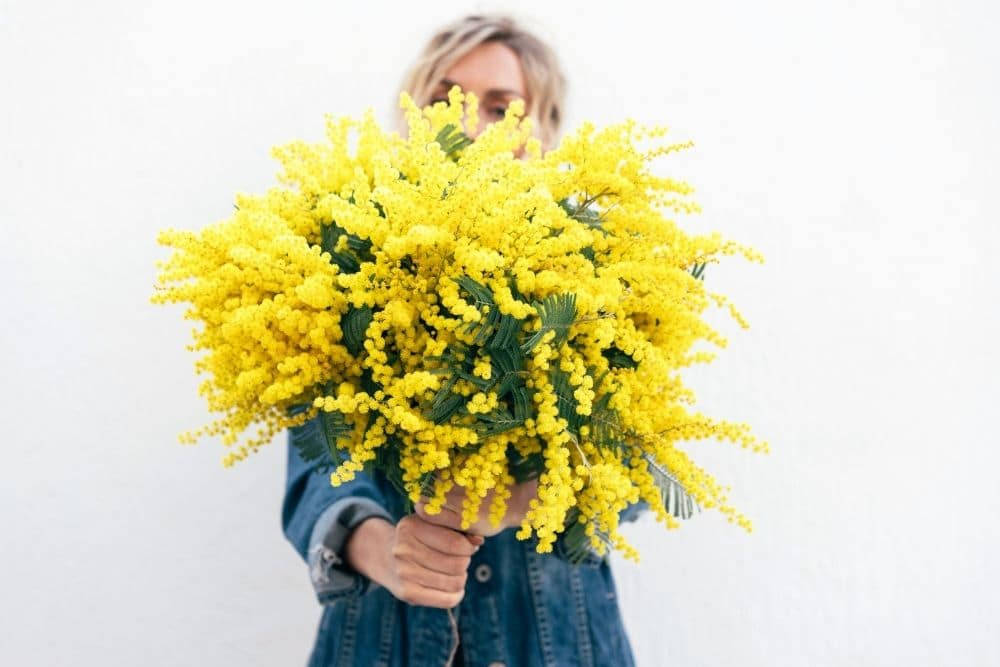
(482, 317)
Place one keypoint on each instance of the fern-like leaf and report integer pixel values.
(675, 497)
(354, 324)
(452, 140)
(496, 422)
(566, 402)
(445, 402)
(557, 313)
(316, 440)
(584, 213)
(349, 260)
(576, 544)
(618, 359)
(494, 330)
(607, 429)
(387, 463)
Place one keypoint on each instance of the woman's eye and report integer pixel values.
(498, 111)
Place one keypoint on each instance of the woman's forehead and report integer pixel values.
(489, 69)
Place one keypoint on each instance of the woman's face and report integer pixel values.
(493, 72)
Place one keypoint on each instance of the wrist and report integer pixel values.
(367, 548)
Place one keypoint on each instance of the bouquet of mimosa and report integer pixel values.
(457, 314)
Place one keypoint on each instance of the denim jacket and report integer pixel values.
(520, 608)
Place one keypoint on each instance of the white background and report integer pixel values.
(854, 144)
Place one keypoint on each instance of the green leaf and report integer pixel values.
(310, 443)
(354, 323)
(316, 440)
(496, 335)
(358, 249)
(495, 422)
(618, 359)
(446, 402)
(508, 369)
(521, 397)
(481, 296)
(387, 460)
(566, 403)
(368, 383)
(557, 313)
(607, 429)
(584, 213)
(335, 428)
(427, 481)
(676, 499)
(506, 332)
(452, 140)
(575, 541)
(408, 264)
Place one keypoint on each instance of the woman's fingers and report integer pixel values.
(415, 594)
(417, 574)
(430, 563)
(449, 518)
(446, 518)
(421, 554)
(446, 540)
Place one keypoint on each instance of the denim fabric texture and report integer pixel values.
(521, 608)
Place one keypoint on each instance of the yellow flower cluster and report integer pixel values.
(347, 289)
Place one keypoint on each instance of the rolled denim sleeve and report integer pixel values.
(330, 575)
(317, 519)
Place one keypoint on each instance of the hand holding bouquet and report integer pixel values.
(461, 318)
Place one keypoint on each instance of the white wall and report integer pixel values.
(856, 146)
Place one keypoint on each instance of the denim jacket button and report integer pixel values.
(483, 574)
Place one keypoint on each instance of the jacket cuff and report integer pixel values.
(329, 572)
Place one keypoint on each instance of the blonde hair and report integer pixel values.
(543, 75)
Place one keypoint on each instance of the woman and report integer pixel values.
(411, 589)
